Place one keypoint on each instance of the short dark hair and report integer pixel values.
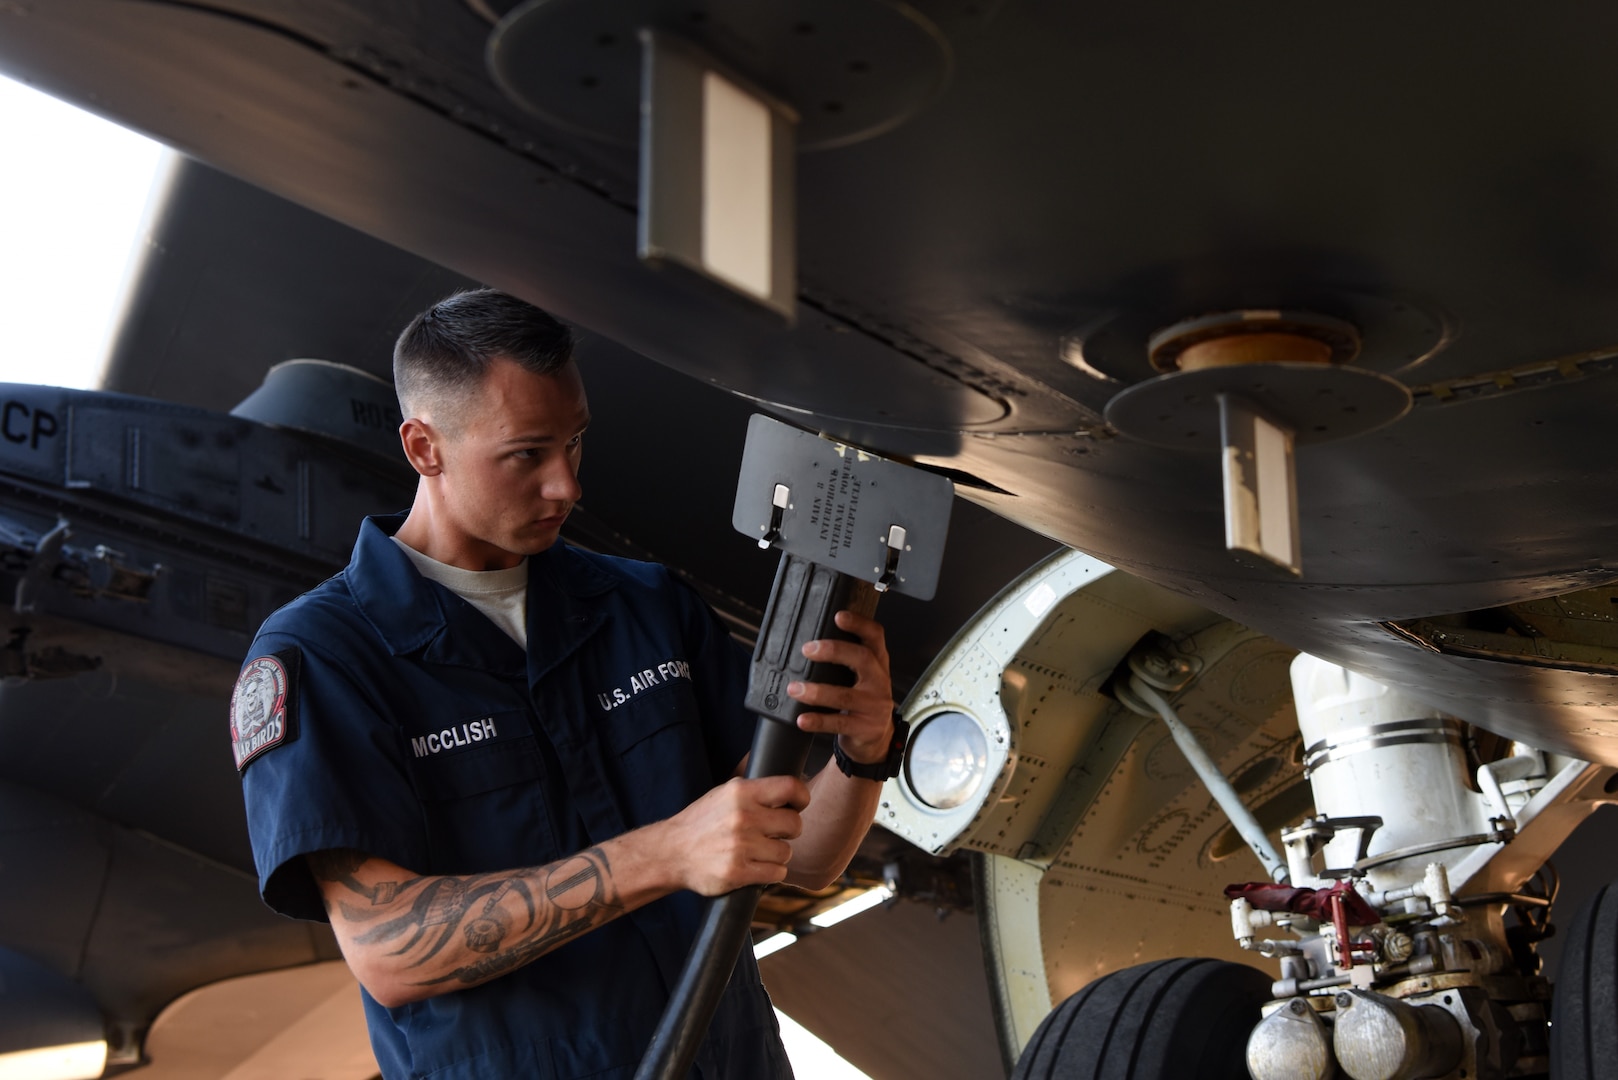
(444, 353)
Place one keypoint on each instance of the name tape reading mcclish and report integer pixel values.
(462, 734)
(840, 505)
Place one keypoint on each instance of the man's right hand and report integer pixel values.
(737, 834)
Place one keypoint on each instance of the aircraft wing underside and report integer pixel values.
(1069, 180)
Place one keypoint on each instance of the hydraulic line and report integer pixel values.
(1241, 818)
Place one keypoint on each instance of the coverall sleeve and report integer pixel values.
(337, 780)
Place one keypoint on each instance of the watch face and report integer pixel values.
(896, 750)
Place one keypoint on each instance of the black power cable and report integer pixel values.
(804, 602)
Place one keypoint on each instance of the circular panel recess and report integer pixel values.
(1170, 349)
(852, 69)
(1320, 404)
(1395, 334)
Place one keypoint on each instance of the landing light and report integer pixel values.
(75, 1061)
(947, 760)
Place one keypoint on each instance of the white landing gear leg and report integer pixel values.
(1396, 959)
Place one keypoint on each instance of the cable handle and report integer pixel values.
(804, 602)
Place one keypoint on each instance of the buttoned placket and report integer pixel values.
(559, 624)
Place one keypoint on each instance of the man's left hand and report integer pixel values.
(861, 716)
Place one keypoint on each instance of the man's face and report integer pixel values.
(511, 461)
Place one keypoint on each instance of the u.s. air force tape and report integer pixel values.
(263, 709)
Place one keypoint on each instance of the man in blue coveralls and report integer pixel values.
(506, 769)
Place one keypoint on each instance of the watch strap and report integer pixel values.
(885, 769)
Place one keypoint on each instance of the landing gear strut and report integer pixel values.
(1396, 959)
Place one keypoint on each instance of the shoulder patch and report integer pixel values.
(263, 708)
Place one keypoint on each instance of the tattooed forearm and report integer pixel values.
(579, 895)
(514, 957)
(339, 865)
(469, 929)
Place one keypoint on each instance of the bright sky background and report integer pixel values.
(73, 195)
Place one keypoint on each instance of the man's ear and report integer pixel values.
(421, 446)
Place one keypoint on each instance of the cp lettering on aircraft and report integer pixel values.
(21, 424)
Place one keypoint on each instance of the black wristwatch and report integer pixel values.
(877, 770)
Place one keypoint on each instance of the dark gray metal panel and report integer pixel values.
(213, 470)
(663, 451)
(135, 920)
(147, 757)
(56, 857)
(141, 561)
(576, 254)
(169, 920)
(40, 1007)
(335, 401)
(1084, 165)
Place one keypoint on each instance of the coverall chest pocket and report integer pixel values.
(480, 781)
(474, 755)
(657, 740)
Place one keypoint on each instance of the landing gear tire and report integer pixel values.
(1584, 1011)
(1170, 1020)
